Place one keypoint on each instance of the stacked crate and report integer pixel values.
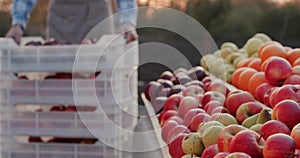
(97, 110)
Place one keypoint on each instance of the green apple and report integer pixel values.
(231, 57)
(204, 125)
(243, 51)
(224, 118)
(224, 53)
(252, 45)
(218, 54)
(250, 121)
(230, 45)
(263, 116)
(254, 55)
(263, 37)
(296, 70)
(210, 135)
(237, 60)
(207, 59)
(256, 127)
(192, 144)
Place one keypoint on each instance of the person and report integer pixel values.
(71, 20)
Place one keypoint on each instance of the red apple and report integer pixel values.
(247, 110)
(175, 148)
(172, 103)
(295, 134)
(206, 79)
(249, 142)
(283, 93)
(218, 85)
(220, 110)
(197, 119)
(167, 128)
(188, 117)
(210, 151)
(221, 155)
(175, 118)
(226, 135)
(235, 99)
(187, 103)
(158, 104)
(294, 79)
(210, 106)
(211, 95)
(152, 90)
(197, 73)
(176, 131)
(238, 155)
(166, 115)
(288, 112)
(267, 97)
(192, 90)
(272, 127)
(279, 146)
(261, 90)
(277, 70)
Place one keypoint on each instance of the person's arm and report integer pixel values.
(127, 18)
(20, 12)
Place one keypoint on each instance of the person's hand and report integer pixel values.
(129, 32)
(15, 32)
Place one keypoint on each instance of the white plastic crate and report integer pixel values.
(108, 52)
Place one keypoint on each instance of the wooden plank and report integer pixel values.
(155, 124)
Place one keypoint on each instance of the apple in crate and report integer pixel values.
(272, 127)
(235, 99)
(210, 151)
(277, 70)
(192, 144)
(294, 79)
(175, 146)
(176, 131)
(226, 135)
(285, 92)
(211, 95)
(224, 118)
(210, 135)
(247, 110)
(172, 103)
(218, 85)
(238, 155)
(192, 90)
(249, 142)
(187, 103)
(197, 73)
(152, 90)
(295, 134)
(279, 146)
(261, 90)
(197, 119)
(188, 117)
(288, 112)
(210, 106)
(166, 128)
(167, 75)
(164, 116)
(158, 104)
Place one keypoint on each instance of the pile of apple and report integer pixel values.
(200, 117)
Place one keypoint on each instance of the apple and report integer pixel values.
(204, 125)
(220, 110)
(238, 155)
(211, 95)
(192, 144)
(158, 104)
(221, 155)
(152, 89)
(235, 99)
(279, 146)
(183, 78)
(226, 134)
(267, 97)
(272, 127)
(197, 119)
(176, 131)
(252, 45)
(175, 148)
(207, 79)
(250, 121)
(224, 118)
(172, 103)
(164, 116)
(295, 134)
(265, 38)
(249, 142)
(261, 90)
(210, 135)
(188, 117)
(187, 103)
(174, 118)
(166, 128)
(230, 46)
(293, 79)
(197, 73)
(218, 85)
(210, 151)
(277, 70)
(192, 90)
(296, 69)
(199, 97)
(246, 110)
(196, 83)
(288, 112)
(283, 93)
(210, 106)
(167, 75)
(165, 83)
(176, 89)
